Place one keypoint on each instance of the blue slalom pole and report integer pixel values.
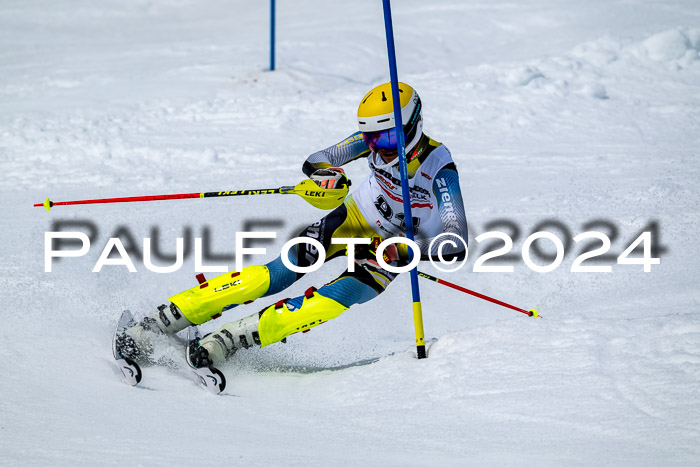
(272, 35)
(408, 216)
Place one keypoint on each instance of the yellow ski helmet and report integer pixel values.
(375, 117)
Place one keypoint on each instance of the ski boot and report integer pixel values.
(215, 347)
(136, 341)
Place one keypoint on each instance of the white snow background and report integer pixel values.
(566, 110)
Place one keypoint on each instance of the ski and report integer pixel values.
(129, 369)
(209, 378)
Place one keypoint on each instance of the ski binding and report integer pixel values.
(209, 378)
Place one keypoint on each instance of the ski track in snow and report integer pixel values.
(552, 110)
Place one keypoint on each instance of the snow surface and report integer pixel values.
(574, 111)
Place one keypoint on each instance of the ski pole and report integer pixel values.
(534, 313)
(321, 198)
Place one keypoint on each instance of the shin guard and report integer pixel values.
(278, 321)
(207, 300)
(270, 325)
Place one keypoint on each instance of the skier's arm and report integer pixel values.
(349, 149)
(451, 209)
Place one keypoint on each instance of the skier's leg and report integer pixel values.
(290, 316)
(299, 314)
(209, 299)
(195, 306)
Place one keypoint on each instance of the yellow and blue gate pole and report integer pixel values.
(405, 192)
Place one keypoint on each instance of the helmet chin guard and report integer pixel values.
(376, 158)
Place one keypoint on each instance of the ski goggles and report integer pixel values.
(385, 139)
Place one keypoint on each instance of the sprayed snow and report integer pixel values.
(569, 110)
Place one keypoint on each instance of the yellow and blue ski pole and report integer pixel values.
(417, 311)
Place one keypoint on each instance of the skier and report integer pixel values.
(373, 211)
